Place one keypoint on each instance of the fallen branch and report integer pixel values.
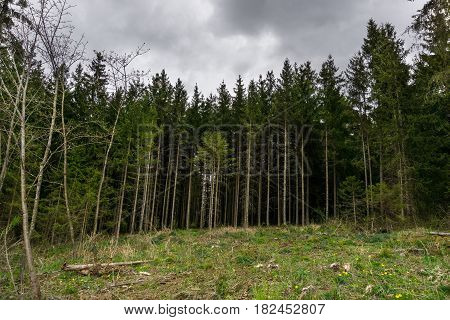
(97, 268)
(441, 234)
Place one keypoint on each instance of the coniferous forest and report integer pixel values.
(91, 146)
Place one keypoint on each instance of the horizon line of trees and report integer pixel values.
(101, 149)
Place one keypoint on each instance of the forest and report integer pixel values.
(90, 146)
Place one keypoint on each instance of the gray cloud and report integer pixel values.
(207, 41)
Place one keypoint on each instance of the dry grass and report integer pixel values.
(258, 263)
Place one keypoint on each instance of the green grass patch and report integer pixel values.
(258, 263)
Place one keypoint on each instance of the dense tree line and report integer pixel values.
(94, 147)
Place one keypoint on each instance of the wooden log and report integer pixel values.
(441, 234)
(93, 266)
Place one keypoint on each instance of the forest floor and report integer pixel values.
(314, 262)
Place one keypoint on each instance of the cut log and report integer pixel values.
(98, 266)
(441, 234)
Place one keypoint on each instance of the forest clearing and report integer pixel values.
(315, 262)
(134, 167)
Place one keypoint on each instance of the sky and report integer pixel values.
(210, 41)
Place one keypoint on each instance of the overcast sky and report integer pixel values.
(207, 41)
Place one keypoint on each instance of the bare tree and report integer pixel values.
(121, 77)
(59, 52)
(25, 58)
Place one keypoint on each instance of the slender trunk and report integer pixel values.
(155, 187)
(247, 183)
(175, 185)
(211, 199)
(225, 209)
(307, 199)
(303, 179)
(83, 226)
(297, 198)
(12, 125)
(203, 204)
(268, 186)
(369, 164)
(402, 203)
(405, 177)
(326, 174)
(102, 178)
(145, 192)
(136, 194)
(167, 190)
(65, 186)
(148, 198)
(188, 211)
(278, 186)
(354, 206)
(402, 170)
(285, 172)
(259, 195)
(44, 160)
(365, 175)
(122, 193)
(23, 197)
(334, 187)
(236, 192)
(381, 181)
(216, 196)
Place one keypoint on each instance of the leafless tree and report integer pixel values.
(121, 77)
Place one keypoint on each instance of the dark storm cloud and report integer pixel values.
(207, 41)
(310, 30)
(255, 16)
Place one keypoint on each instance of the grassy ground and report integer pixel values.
(266, 263)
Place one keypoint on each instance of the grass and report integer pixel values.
(260, 263)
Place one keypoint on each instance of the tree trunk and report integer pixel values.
(44, 160)
(148, 198)
(136, 194)
(285, 172)
(167, 190)
(122, 193)
(188, 211)
(268, 185)
(65, 186)
(278, 187)
(259, 195)
(334, 187)
(12, 124)
(365, 176)
(381, 181)
(145, 192)
(307, 200)
(216, 195)
(84, 224)
(225, 209)
(247, 183)
(211, 199)
(105, 164)
(23, 197)
(236, 192)
(402, 203)
(155, 187)
(326, 174)
(175, 186)
(369, 162)
(303, 179)
(203, 204)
